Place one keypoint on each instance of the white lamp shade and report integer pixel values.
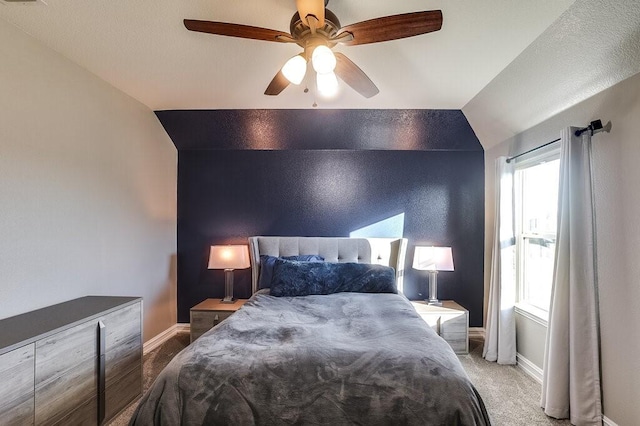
(295, 69)
(229, 257)
(433, 259)
(323, 60)
(327, 84)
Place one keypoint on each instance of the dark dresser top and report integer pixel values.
(26, 328)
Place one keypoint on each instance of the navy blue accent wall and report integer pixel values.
(397, 129)
(226, 195)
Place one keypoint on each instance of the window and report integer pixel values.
(536, 208)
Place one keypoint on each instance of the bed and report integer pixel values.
(332, 358)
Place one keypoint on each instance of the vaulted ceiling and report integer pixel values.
(142, 48)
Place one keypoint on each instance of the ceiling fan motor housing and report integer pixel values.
(302, 33)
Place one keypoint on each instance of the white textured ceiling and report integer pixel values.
(142, 48)
(592, 46)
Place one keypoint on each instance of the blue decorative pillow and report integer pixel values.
(305, 278)
(267, 262)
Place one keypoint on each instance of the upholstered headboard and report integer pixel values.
(383, 251)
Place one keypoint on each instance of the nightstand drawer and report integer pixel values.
(457, 341)
(453, 324)
(201, 322)
(209, 313)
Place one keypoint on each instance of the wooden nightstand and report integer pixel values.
(450, 321)
(207, 314)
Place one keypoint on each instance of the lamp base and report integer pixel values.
(433, 289)
(228, 287)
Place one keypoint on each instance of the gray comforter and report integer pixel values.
(344, 358)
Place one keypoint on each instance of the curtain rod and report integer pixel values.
(594, 127)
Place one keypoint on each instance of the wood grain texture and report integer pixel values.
(57, 398)
(351, 74)
(236, 30)
(36, 325)
(84, 415)
(123, 391)
(123, 324)
(209, 313)
(63, 351)
(277, 84)
(53, 380)
(393, 27)
(202, 321)
(123, 358)
(16, 385)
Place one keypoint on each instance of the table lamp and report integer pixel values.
(229, 257)
(433, 259)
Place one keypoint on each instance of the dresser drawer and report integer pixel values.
(51, 361)
(59, 397)
(63, 351)
(121, 392)
(123, 325)
(16, 385)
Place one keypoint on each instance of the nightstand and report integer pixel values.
(450, 321)
(207, 314)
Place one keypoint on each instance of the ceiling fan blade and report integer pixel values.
(351, 74)
(311, 7)
(277, 85)
(237, 30)
(393, 27)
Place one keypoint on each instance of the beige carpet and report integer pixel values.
(511, 397)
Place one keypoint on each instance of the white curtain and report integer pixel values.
(500, 341)
(571, 381)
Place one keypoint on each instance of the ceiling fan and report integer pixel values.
(317, 30)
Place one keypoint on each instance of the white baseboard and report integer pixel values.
(608, 422)
(476, 332)
(160, 338)
(183, 328)
(529, 368)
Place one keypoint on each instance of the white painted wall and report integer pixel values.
(87, 188)
(616, 159)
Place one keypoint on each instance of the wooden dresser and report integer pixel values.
(450, 321)
(75, 363)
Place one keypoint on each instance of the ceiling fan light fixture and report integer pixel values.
(327, 84)
(323, 60)
(295, 69)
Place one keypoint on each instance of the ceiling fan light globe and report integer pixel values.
(323, 60)
(295, 69)
(327, 84)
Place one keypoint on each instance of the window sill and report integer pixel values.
(534, 314)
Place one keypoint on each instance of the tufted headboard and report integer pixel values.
(383, 251)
